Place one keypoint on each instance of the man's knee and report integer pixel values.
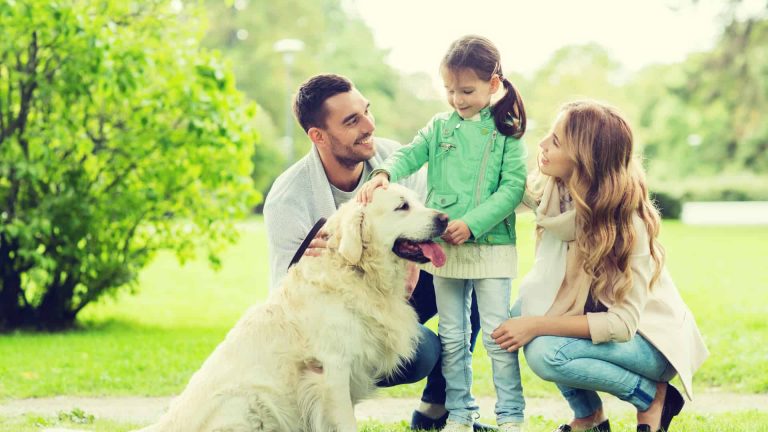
(425, 358)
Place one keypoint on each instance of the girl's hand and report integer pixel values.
(457, 232)
(515, 333)
(365, 195)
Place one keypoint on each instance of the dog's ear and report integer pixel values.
(350, 234)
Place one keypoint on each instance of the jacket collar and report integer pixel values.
(455, 119)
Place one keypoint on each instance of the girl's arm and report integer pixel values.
(501, 203)
(409, 158)
(515, 333)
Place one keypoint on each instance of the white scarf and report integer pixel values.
(540, 286)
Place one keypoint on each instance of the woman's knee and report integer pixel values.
(542, 356)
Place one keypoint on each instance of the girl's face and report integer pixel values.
(467, 93)
(553, 159)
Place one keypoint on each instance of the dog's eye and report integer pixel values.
(403, 207)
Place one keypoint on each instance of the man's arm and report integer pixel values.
(285, 231)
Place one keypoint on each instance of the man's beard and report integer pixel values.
(350, 160)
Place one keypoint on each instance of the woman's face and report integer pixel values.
(553, 160)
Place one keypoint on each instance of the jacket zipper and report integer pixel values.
(447, 147)
(483, 166)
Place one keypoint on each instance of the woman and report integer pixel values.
(599, 310)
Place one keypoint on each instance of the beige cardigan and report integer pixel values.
(659, 314)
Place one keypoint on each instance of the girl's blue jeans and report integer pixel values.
(629, 370)
(453, 305)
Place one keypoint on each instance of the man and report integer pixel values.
(338, 121)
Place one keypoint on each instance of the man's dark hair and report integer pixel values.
(308, 104)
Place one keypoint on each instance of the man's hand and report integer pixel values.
(411, 279)
(365, 195)
(515, 333)
(318, 244)
(457, 232)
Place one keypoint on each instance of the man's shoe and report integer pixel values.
(481, 427)
(602, 427)
(421, 422)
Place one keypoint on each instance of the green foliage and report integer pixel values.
(572, 73)
(77, 416)
(706, 116)
(335, 42)
(119, 136)
(669, 205)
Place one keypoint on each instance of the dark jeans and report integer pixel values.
(426, 362)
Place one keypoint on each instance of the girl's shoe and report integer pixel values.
(452, 426)
(511, 427)
(673, 404)
(602, 427)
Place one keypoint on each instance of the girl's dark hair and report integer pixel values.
(480, 55)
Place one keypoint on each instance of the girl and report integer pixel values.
(600, 312)
(476, 174)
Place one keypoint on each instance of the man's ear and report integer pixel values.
(316, 135)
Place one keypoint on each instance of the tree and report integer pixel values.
(118, 136)
(335, 41)
(573, 72)
(709, 118)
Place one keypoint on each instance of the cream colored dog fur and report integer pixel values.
(317, 346)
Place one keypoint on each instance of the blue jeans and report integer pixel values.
(627, 370)
(453, 303)
(426, 361)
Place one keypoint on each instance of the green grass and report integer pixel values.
(150, 343)
(752, 421)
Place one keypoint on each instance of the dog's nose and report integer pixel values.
(441, 222)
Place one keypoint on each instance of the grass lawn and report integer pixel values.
(151, 342)
(746, 421)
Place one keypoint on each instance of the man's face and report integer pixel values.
(349, 128)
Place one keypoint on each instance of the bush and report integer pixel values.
(121, 137)
(669, 205)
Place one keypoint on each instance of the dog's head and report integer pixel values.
(395, 220)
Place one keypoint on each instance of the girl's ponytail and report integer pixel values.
(509, 111)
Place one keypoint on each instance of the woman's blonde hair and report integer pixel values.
(608, 188)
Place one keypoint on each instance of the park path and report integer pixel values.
(148, 409)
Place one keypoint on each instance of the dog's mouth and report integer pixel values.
(419, 251)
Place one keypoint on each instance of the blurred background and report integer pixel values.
(691, 75)
(138, 140)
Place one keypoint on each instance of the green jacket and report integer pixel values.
(475, 173)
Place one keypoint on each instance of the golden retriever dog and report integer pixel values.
(339, 323)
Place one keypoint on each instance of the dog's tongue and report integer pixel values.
(434, 253)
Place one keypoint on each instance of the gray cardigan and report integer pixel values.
(301, 195)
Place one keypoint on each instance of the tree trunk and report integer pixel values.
(13, 311)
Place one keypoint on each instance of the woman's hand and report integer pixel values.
(365, 195)
(515, 333)
(457, 232)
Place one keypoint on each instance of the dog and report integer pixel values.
(338, 323)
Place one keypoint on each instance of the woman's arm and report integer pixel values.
(515, 333)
